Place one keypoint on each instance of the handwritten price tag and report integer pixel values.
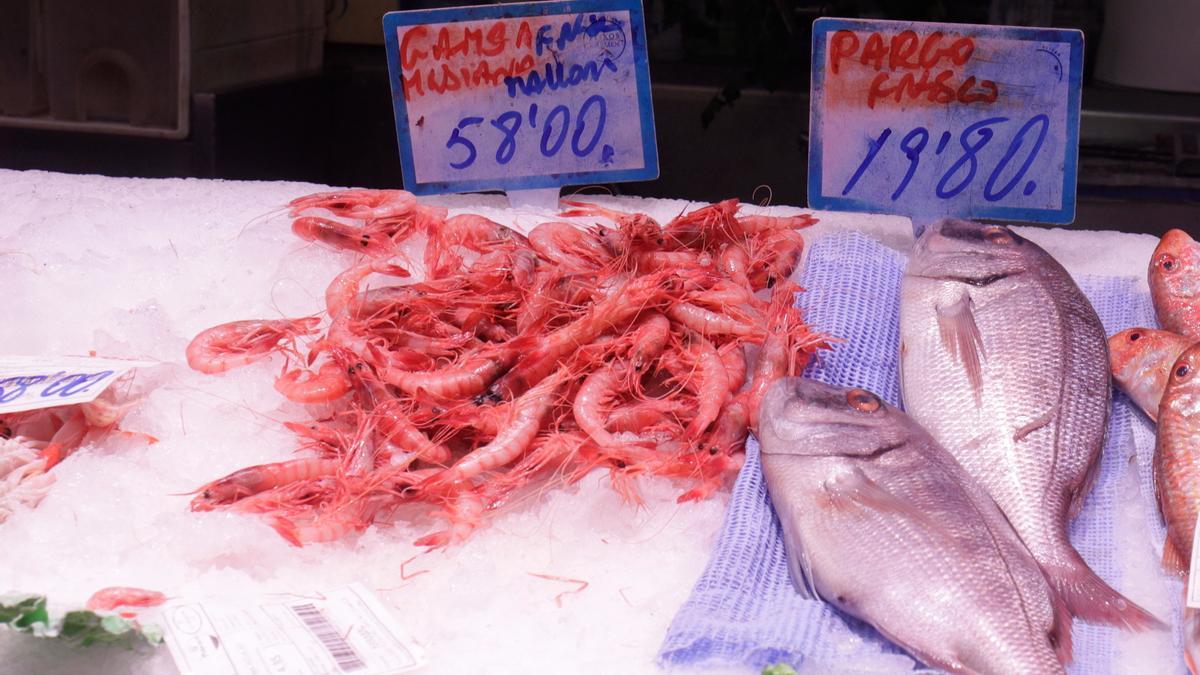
(521, 96)
(29, 383)
(927, 119)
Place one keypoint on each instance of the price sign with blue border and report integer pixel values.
(928, 119)
(521, 96)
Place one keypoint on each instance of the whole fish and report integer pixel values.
(880, 521)
(1177, 478)
(1141, 360)
(1174, 278)
(1005, 363)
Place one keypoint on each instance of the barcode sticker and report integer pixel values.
(347, 630)
(341, 651)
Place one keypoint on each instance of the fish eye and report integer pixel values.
(998, 235)
(1167, 262)
(1183, 370)
(1135, 336)
(863, 400)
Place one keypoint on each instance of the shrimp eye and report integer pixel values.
(861, 399)
(1134, 337)
(1167, 262)
(998, 235)
(1183, 370)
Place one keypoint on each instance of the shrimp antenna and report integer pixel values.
(770, 195)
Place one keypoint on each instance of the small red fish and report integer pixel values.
(1174, 277)
(1141, 360)
(1177, 479)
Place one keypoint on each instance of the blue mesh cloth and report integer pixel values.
(744, 609)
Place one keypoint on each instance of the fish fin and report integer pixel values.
(1172, 559)
(1036, 423)
(798, 563)
(1085, 488)
(1060, 630)
(855, 487)
(1091, 598)
(1191, 639)
(1159, 493)
(960, 334)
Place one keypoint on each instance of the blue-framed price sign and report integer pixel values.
(521, 96)
(928, 119)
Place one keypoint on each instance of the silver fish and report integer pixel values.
(880, 521)
(1004, 361)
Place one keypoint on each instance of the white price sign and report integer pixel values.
(32, 382)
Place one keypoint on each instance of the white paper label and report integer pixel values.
(344, 631)
(32, 382)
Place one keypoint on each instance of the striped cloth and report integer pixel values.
(744, 610)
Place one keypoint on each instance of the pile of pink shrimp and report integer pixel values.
(514, 358)
(35, 441)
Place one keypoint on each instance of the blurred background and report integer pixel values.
(298, 90)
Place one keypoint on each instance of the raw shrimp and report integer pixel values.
(468, 377)
(734, 359)
(303, 386)
(524, 423)
(622, 304)
(755, 224)
(712, 222)
(343, 237)
(392, 421)
(570, 247)
(239, 343)
(707, 322)
(344, 288)
(254, 479)
(734, 262)
(643, 415)
(469, 231)
(709, 379)
(104, 411)
(359, 204)
(576, 348)
(773, 257)
(594, 397)
(329, 524)
(66, 440)
(107, 599)
(634, 221)
(463, 513)
(652, 332)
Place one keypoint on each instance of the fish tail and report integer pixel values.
(1191, 639)
(1090, 598)
(1060, 633)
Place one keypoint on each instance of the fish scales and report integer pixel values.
(881, 522)
(1177, 479)
(1005, 362)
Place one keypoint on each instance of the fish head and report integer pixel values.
(1175, 266)
(1182, 397)
(1141, 360)
(971, 252)
(1137, 353)
(805, 417)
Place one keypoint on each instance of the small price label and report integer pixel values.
(521, 96)
(347, 630)
(929, 119)
(29, 383)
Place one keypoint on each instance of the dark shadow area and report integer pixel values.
(730, 83)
